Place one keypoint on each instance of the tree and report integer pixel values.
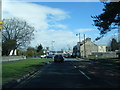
(7, 46)
(47, 48)
(31, 51)
(40, 49)
(114, 45)
(21, 53)
(109, 19)
(15, 34)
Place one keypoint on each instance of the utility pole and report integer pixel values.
(84, 47)
(1, 26)
(78, 45)
(119, 37)
(79, 36)
(1, 44)
(119, 32)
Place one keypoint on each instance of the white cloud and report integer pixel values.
(43, 18)
(36, 15)
(59, 26)
(61, 38)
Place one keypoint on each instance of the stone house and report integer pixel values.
(102, 48)
(87, 47)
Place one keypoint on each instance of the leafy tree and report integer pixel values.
(21, 52)
(31, 51)
(7, 46)
(15, 34)
(114, 45)
(47, 48)
(40, 49)
(109, 19)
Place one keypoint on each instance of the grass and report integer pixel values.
(114, 61)
(14, 70)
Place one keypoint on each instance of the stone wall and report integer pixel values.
(12, 58)
(103, 55)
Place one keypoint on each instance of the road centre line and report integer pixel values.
(85, 75)
(82, 72)
(75, 67)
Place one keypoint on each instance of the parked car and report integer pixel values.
(43, 56)
(66, 55)
(49, 56)
(58, 58)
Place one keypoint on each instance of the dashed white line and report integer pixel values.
(75, 67)
(82, 72)
(85, 75)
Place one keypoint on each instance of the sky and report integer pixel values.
(57, 21)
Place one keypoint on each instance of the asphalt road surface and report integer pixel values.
(63, 75)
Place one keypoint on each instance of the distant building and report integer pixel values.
(56, 52)
(74, 51)
(87, 47)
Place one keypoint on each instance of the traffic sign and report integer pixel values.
(1, 24)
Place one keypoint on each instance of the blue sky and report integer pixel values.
(57, 21)
(80, 12)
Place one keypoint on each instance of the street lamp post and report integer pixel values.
(78, 45)
(53, 45)
(84, 47)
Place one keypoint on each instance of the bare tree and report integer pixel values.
(15, 34)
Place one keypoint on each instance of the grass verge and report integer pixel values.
(114, 61)
(14, 70)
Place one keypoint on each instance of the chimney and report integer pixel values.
(88, 39)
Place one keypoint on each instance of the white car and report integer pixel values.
(43, 56)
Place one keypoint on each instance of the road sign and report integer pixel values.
(1, 24)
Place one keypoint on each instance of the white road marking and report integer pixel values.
(75, 67)
(82, 72)
(22, 83)
(85, 74)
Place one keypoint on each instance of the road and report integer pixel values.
(63, 75)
